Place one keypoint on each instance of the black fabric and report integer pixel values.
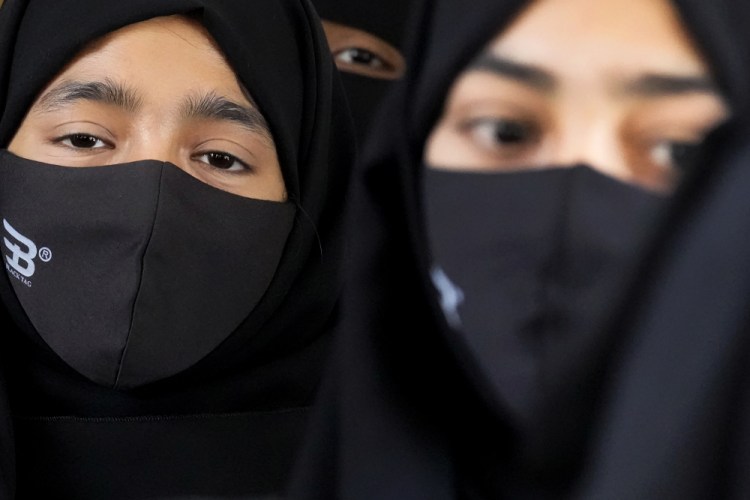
(272, 361)
(674, 417)
(527, 263)
(7, 450)
(407, 412)
(386, 20)
(365, 96)
(110, 294)
(169, 451)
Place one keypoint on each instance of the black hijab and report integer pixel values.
(674, 410)
(387, 20)
(407, 412)
(258, 381)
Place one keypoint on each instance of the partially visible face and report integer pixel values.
(155, 90)
(615, 84)
(362, 53)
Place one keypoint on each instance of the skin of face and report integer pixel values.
(120, 100)
(616, 84)
(362, 53)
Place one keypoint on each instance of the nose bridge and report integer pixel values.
(591, 136)
(153, 139)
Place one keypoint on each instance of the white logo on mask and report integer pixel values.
(23, 251)
(451, 296)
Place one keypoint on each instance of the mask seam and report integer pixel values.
(140, 282)
(552, 269)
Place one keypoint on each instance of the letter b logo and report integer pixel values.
(22, 259)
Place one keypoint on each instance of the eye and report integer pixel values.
(500, 133)
(222, 161)
(362, 57)
(82, 141)
(675, 154)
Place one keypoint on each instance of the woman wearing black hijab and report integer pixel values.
(367, 41)
(170, 303)
(513, 277)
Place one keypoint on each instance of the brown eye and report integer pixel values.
(221, 161)
(361, 57)
(511, 132)
(495, 133)
(82, 141)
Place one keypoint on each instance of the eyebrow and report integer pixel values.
(658, 85)
(212, 106)
(106, 92)
(648, 85)
(523, 73)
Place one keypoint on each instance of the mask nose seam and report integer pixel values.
(548, 298)
(124, 352)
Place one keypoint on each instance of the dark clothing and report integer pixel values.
(387, 20)
(228, 422)
(644, 394)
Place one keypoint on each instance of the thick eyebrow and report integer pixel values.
(106, 92)
(526, 74)
(212, 106)
(205, 106)
(648, 85)
(658, 85)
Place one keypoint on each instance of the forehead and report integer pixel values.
(629, 34)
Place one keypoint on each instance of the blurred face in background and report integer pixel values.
(616, 84)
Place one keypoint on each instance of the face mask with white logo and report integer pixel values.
(133, 273)
(530, 266)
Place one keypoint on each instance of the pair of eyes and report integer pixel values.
(219, 160)
(510, 137)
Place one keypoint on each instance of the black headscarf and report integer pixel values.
(229, 423)
(387, 20)
(407, 412)
(674, 410)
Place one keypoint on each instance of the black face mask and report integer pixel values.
(133, 273)
(529, 266)
(365, 95)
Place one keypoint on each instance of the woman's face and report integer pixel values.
(615, 84)
(156, 90)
